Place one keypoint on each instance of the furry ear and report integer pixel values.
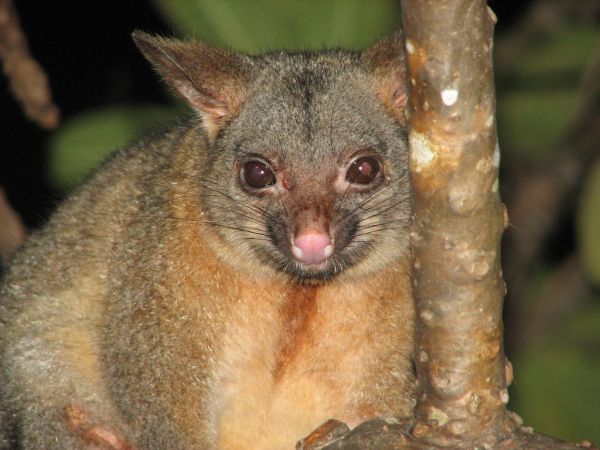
(212, 80)
(386, 61)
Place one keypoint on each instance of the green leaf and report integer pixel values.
(556, 381)
(88, 138)
(540, 97)
(294, 24)
(533, 122)
(567, 48)
(588, 225)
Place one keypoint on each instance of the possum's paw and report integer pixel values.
(96, 436)
(326, 434)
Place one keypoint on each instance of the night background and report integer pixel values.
(548, 78)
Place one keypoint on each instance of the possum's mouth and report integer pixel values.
(313, 272)
(314, 254)
(283, 260)
(339, 262)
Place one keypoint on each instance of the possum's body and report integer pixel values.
(164, 305)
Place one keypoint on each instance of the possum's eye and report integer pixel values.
(363, 170)
(257, 174)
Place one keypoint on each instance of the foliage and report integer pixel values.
(589, 225)
(87, 139)
(261, 25)
(541, 94)
(556, 384)
(556, 388)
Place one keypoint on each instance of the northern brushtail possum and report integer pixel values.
(230, 283)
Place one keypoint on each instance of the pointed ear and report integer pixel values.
(212, 80)
(386, 61)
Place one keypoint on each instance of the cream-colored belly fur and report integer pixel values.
(297, 356)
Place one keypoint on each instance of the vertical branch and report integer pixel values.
(458, 222)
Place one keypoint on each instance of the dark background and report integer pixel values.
(90, 59)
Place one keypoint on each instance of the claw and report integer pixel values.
(331, 431)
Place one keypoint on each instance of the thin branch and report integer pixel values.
(564, 292)
(541, 18)
(12, 231)
(542, 195)
(391, 434)
(28, 82)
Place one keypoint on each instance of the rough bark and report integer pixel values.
(458, 223)
(391, 434)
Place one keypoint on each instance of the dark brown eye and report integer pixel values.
(363, 170)
(258, 175)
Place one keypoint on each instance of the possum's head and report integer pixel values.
(307, 168)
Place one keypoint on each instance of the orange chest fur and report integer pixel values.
(295, 356)
(286, 357)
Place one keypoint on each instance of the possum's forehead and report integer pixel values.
(314, 107)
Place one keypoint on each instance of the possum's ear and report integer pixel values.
(386, 61)
(212, 80)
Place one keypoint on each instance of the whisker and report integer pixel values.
(251, 238)
(251, 218)
(380, 212)
(282, 203)
(383, 200)
(371, 197)
(238, 228)
(384, 225)
(255, 208)
(377, 231)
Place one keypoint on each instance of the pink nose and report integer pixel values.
(312, 248)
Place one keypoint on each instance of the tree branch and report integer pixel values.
(542, 193)
(564, 291)
(540, 19)
(458, 223)
(28, 82)
(12, 231)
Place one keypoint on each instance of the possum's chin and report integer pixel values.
(312, 277)
(331, 268)
(313, 273)
(354, 258)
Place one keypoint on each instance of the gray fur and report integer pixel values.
(106, 256)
